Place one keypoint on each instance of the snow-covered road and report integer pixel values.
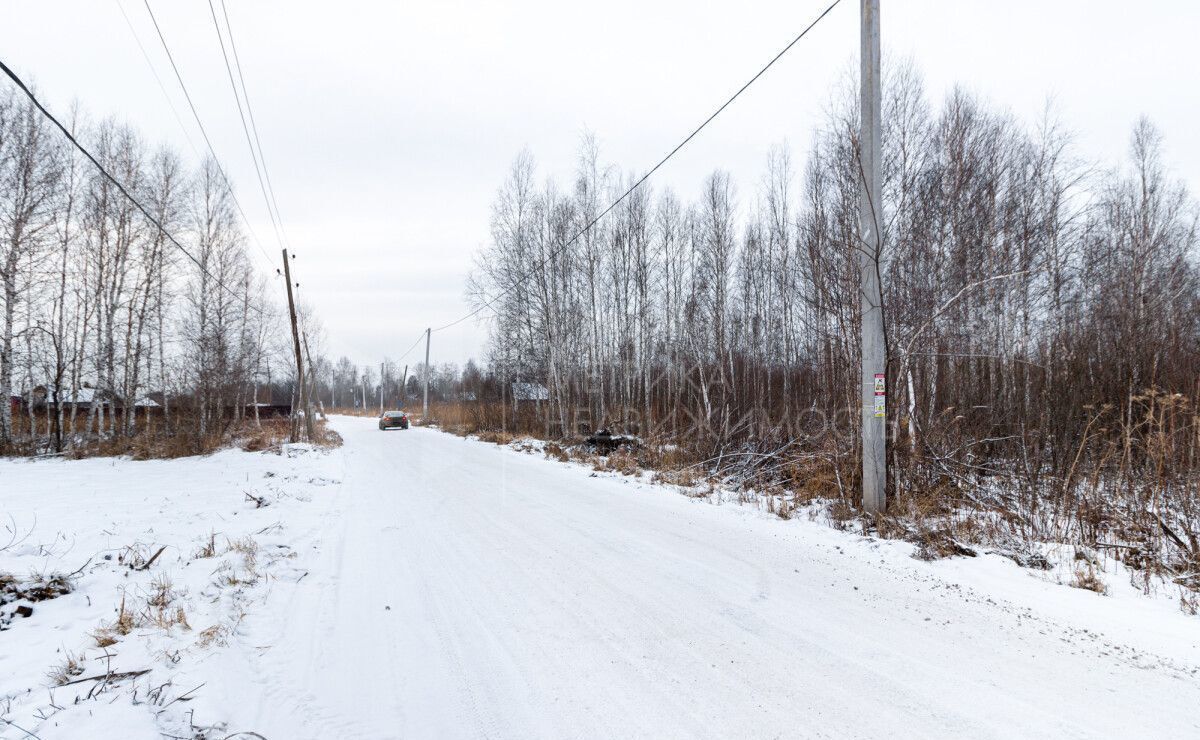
(460, 589)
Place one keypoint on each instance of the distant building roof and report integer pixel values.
(84, 396)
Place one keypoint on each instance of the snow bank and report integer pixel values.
(168, 560)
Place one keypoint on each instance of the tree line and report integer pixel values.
(1042, 311)
(395, 385)
(102, 315)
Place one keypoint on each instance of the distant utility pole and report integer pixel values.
(425, 409)
(870, 219)
(404, 387)
(381, 389)
(287, 276)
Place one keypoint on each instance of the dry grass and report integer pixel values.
(124, 623)
(779, 504)
(71, 667)
(684, 477)
(162, 592)
(247, 546)
(158, 610)
(658, 455)
(38, 587)
(495, 437)
(208, 549)
(939, 543)
(474, 417)
(104, 637)
(269, 435)
(155, 439)
(326, 437)
(166, 619)
(214, 635)
(139, 556)
(1086, 577)
(164, 447)
(230, 575)
(841, 514)
(620, 461)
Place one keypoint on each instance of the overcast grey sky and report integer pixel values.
(388, 126)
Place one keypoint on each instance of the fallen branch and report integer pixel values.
(1174, 537)
(15, 538)
(153, 557)
(110, 676)
(184, 696)
(22, 729)
(79, 570)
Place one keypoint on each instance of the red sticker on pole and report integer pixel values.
(880, 395)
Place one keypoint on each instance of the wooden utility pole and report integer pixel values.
(870, 246)
(308, 425)
(425, 407)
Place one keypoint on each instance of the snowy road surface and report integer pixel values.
(467, 590)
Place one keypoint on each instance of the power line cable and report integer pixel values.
(410, 349)
(178, 119)
(117, 183)
(262, 157)
(645, 177)
(157, 78)
(204, 132)
(245, 129)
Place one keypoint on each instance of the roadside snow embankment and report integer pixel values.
(125, 586)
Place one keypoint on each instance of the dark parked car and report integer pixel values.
(393, 420)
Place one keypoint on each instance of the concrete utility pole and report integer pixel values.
(425, 408)
(404, 387)
(381, 389)
(313, 392)
(308, 425)
(870, 246)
